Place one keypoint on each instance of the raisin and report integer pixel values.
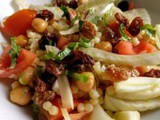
(88, 30)
(47, 39)
(55, 68)
(48, 78)
(124, 5)
(135, 26)
(110, 34)
(121, 19)
(72, 4)
(153, 73)
(45, 14)
(78, 61)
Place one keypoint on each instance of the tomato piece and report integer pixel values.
(131, 5)
(145, 47)
(24, 60)
(62, 42)
(125, 48)
(19, 22)
(115, 27)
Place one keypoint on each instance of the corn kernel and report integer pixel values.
(94, 94)
(47, 105)
(80, 107)
(53, 110)
(94, 101)
(88, 107)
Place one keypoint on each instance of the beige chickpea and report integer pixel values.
(39, 25)
(86, 86)
(21, 40)
(106, 46)
(20, 95)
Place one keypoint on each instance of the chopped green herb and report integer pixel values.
(14, 52)
(66, 12)
(73, 21)
(49, 55)
(63, 54)
(150, 31)
(36, 111)
(78, 76)
(80, 24)
(95, 19)
(124, 36)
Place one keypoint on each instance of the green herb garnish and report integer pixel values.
(149, 29)
(96, 19)
(124, 36)
(77, 76)
(63, 54)
(49, 55)
(14, 52)
(66, 12)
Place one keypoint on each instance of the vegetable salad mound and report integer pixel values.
(82, 60)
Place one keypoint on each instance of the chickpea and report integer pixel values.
(22, 40)
(15, 85)
(20, 95)
(86, 87)
(106, 46)
(39, 25)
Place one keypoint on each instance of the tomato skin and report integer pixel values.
(19, 22)
(24, 60)
(125, 48)
(145, 47)
(62, 42)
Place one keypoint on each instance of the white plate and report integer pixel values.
(9, 111)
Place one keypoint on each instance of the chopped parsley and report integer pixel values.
(14, 52)
(149, 29)
(66, 12)
(96, 19)
(124, 36)
(77, 76)
(49, 55)
(80, 24)
(63, 54)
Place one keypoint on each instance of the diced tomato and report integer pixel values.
(125, 48)
(19, 22)
(63, 41)
(145, 47)
(57, 102)
(131, 5)
(24, 60)
(115, 27)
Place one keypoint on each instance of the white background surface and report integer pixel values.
(9, 111)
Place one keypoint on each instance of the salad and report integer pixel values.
(82, 60)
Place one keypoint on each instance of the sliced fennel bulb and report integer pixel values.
(65, 92)
(99, 114)
(136, 84)
(126, 60)
(69, 31)
(143, 95)
(22, 4)
(93, 3)
(127, 115)
(129, 105)
(157, 28)
(65, 114)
